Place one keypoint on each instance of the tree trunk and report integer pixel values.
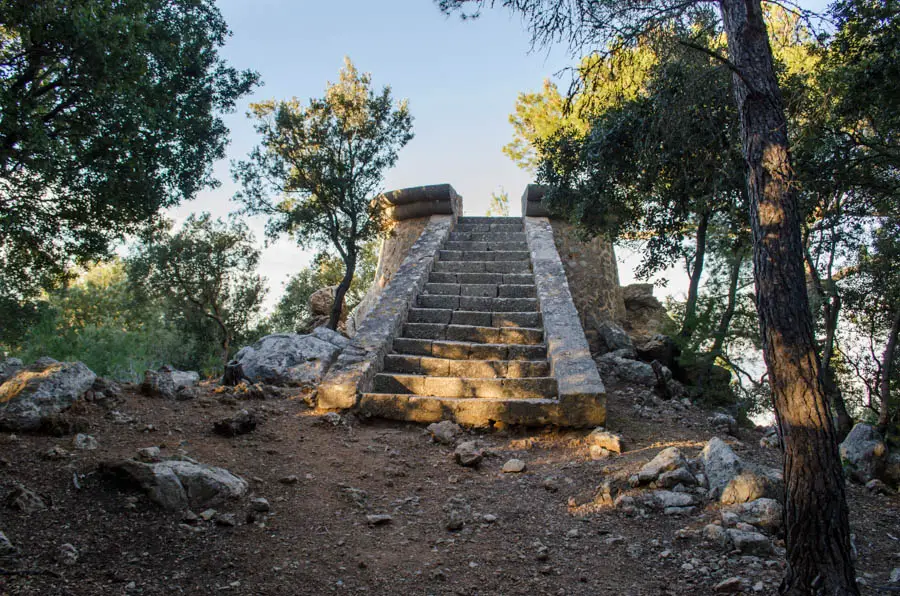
(690, 308)
(341, 291)
(843, 421)
(725, 321)
(816, 516)
(887, 370)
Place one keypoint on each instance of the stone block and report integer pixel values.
(464, 317)
(482, 290)
(442, 289)
(516, 291)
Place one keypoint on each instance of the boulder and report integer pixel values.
(675, 477)
(863, 453)
(661, 348)
(38, 392)
(25, 500)
(9, 367)
(289, 359)
(645, 316)
(764, 513)
(750, 543)
(615, 368)
(611, 338)
(169, 383)
(892, 469)
(669, 458)
(732, 480)
(665, 499)
(178, 485)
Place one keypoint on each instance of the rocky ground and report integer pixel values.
(333, 504)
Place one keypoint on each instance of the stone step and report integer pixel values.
(483, 266)
(484, 255)
(483, 412)
(490, 228)
(482, 219)
(474, 333)
(535, 387)
(464, 350)
(485, 246)
(487, 237)
(482, 290)
(478, 318)
(515, 279)
(476, 303)
(447, 367)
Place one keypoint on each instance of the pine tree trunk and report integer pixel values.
(690, 308)
(341, 291)
(816, 516)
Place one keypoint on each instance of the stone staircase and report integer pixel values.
(472, 348)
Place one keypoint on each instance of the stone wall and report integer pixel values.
(591, 269)
(408, 212)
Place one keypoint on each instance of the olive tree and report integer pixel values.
(319, 167)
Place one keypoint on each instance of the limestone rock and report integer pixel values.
(6, 546)
(750, 543)
(149, 454)
(675, 477)
(84, 442)
(731, 585)
(732, 480)
(8, 368)
(645, 316)
(178, 485)
(665, 499)
(613, 367)
(67, 554)
(723, 423)
(40, 391)
(611, 337)
(290, 359)
(667, 459)
(379, 519)
(892, 469)
(243, 422)
(604, 439)
(717, 535)
(764, 513)
(661, 348)
(444, 432)
(863, 453)
(169, 383)
(514, 466)
(321, 301)
(25, 500)
(468, 454)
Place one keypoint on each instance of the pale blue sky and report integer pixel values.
(461, 80)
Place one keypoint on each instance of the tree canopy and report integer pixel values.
(320, 166)
(109, 111)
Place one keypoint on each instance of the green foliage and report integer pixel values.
(499, 206)
(320, 166)
(207, 270)
(101, 321)
(325, 270)
(108, 113)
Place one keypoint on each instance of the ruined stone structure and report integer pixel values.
(472, 319)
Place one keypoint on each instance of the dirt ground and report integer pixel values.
(543, 531)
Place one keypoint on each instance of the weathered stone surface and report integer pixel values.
(750, 543)
(615, 368)
(40, 391)
(25, 500)
(290, 359)
(764, 513)
(717, 535)
(669, 458)
(8, 368)
(675, 477)
(356, 367)
(169, 383)
(645, 316)
(605, 439)
(724, 423)
(514, 466)
(468, 454)
(661, 348)
(177, 485)
(732, 480)
(863, 453)
(84, 442)
(612, 337)
(6, 546)
(444, 432)
(666, 498)
(242, 422)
